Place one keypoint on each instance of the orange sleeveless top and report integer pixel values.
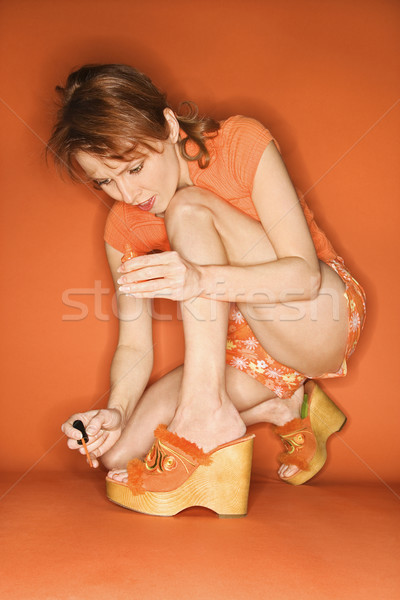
(234, 157)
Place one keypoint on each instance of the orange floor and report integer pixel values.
(62, 540)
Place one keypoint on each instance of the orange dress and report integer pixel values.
(234, 157)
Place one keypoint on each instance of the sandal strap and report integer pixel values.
(182, 445)
(299, 441)
(291, 426)
(136, 470)
(170, 456)
(298, 461)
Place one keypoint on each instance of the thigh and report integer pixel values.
(243, 237)
(309, 336)
(244, 391)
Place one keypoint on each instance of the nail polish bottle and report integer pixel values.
(129, 253)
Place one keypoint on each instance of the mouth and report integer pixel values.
(148, 205)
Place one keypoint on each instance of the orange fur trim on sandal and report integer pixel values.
(305, 439)
(170, 480)
(136, 470)
(167, 465)
(184, 445)
(299, 442)
(290, 426)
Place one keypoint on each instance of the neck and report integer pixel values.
(184, 179)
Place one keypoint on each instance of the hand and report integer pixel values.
(162, 275)
(103, 428)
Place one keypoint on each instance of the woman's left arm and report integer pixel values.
(295, 275)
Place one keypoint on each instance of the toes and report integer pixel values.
(291, 471)
(286, 471)
(118, 475)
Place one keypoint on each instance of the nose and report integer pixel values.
(128, 192)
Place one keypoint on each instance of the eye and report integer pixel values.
(99, 184)
(136, 170)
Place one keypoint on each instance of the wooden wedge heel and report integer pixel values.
(305, 438)
(176, 475)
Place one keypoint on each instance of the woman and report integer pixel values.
(266, 302)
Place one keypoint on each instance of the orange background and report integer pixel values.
(322, 76)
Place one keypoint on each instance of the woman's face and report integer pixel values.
(148, 182)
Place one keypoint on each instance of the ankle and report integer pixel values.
(211, 396)
(278, 411)
(291, 407)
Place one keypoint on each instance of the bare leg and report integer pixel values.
(205, 230)
(255, 403)
(205, 413)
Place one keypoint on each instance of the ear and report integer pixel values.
(172, 124)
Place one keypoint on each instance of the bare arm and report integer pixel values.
(133, 358)
(295, 275)
(130, 372)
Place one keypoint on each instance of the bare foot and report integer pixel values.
(286, 471)
(208, 425)
(294, 406)
(118, 475)
(212, 428)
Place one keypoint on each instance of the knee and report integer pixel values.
(188, 206)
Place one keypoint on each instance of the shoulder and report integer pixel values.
(242, 143)
(242, 137)
(241, 123)
(128, 224)
(241, 129)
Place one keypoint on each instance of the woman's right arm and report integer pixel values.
(133, 359)
(130, 372)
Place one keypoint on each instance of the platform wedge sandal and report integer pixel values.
(305, 438)
(176, 475)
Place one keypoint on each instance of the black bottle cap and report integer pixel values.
(80, 426)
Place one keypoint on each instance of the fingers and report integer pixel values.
(97, 442)
(90, 445)
(155, 278)
(102, 427)
(171, 267)
(70, 431)
(161, 288)
(106, 418)
(146, 274)
(148, 260)
(94, 421)
(93, 461)
(96, 447)
(96, 424)
(100, 445)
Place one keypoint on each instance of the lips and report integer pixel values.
(148, 205)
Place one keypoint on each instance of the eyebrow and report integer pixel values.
(128, 166)
(105, 178)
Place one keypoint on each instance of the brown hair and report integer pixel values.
(110, 110)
